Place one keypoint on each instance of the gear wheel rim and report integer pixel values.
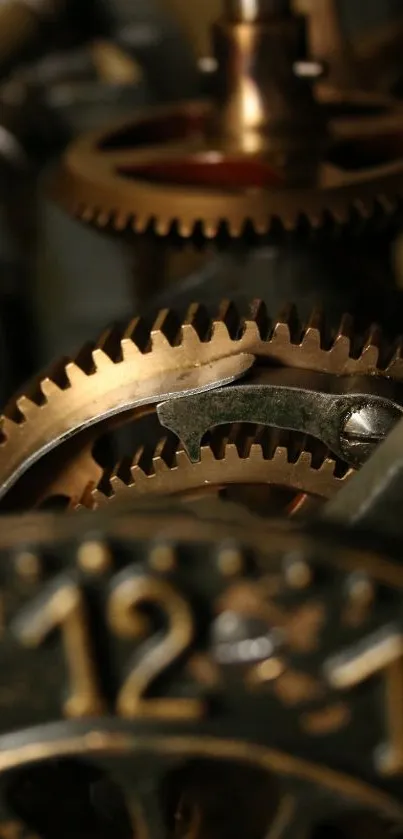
(89, 188)
(264, 458)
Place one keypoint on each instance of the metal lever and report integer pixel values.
(343, 413)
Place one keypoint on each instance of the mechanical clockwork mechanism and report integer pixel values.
(201, 615)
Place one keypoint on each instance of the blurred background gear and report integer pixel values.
(140, 53)
(212, 194)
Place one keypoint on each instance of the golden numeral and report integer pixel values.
(129, 623)
(64, 608)
(384, 653)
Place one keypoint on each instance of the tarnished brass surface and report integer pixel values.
(130, 371)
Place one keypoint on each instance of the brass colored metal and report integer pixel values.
(258, 461)
(130, 371)
(263, 109)
(266, 152)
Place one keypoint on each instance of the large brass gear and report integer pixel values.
(123, 377)
(267, 155)
(261, 460)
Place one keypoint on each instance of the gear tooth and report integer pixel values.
(26, 407)
(229, 315)
(141, 467)
(328, 466)
(75, 375)
(101, 359)
(109, 343)
(189, 340)
(98, 500)
(209, 229)
(342, 342)
(7, 428)
(130, 350)
(166, 325)
(233, 451)
(314, 329)
(117, 484)
(120, 221)
(141, 223)
(164, 457)
(281, 330)
(104, 218)
(256, 451)
(219, 332)
(370, 350)
(87, 213)
(305, 459)
(162, 226)
(182, 459)
(159, 465)
(49, 388)
(207, 454)
(185, 229)
(138, 478)
(197, 319)
(136, 338)
(280, 455)
(159, 342)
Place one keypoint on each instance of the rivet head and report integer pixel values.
(94, 557)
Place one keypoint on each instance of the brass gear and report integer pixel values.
(268, 155)
(234, 459)
(120, 379)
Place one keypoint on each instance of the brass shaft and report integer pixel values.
(253, 11)
(263, 109)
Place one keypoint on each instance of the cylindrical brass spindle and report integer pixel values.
(249, 11)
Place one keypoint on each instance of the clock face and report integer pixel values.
(138, 664)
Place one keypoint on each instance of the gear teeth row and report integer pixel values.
(285, 340)
(146, 361)
(360, 212)
(242, 455)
